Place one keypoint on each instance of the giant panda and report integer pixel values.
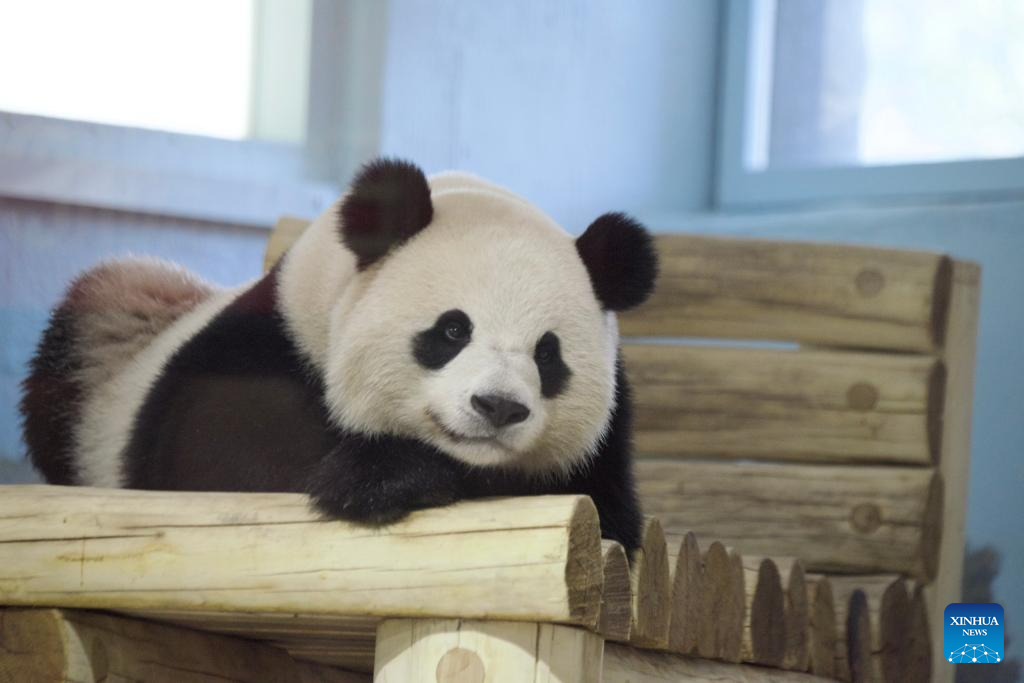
(424, 341)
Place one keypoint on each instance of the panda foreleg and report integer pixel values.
(380, 479)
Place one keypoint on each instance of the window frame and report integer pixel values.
(241, 182)
(744, 47)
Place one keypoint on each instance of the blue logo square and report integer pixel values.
(973, 633)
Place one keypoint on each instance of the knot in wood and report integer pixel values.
(862, 396)
(460, 665)
(866, 518)
(870, 282)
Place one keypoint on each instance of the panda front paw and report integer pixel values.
(379, 481)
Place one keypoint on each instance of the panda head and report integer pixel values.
(475, 323)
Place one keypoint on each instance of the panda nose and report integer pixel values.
(499, 410)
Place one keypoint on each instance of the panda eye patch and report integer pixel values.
(436, 346)
(554, 373)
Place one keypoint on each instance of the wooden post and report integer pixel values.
(617, 597)
(652, 606)
(955, 459)
(458, 651)
(687, 587)
(821, 634)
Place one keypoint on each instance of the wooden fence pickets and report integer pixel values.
(616, 615)
(822, 633)
(814, 293)
(786, 405)
(838, 518)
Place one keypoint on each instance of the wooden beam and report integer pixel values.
(617, 596)
(535, 558)
(822, 294)
(835, 518)
(457, 651)
(69, 645)
(775, 404)
(624, 664)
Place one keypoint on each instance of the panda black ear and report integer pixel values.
(620, 256)
(388, 202)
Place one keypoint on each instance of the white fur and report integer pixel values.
(487, 252)
(109, 412)
(515, 273)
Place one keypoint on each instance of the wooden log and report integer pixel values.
(853, 627)
(458, 651)
(918, 663)
(956, 450)
(617, 596)
(68, 645)
(773, 404)
(835, 518)
(652, 591)
(823, 294)
(722, 605)
(535, 558)
(628, 665)
(335, 640)
(285, 232)
(687, 589)
(888, 619)
(764, 625)
(821, 632)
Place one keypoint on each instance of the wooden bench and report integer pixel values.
(807, 500)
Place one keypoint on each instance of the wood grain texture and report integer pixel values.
(822, 294)
(889, 620)
(686, 574)
(623, 664)
(854, 662)
(773, 404)
(821, 631)
(285, 232)
(835, 518)
(959, 358)
(764, 623)
(535, 558)
(617, 594)
(722, 608)
(461, 651)
(70, 645)
(652, 590)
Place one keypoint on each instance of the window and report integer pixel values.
(835, 98)
(218, 110)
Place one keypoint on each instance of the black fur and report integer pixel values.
(388, 203)
(620, 256)
(554, 373)
(51, 400)
(435, 347)
(237, 409)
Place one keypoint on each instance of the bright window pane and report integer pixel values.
(177, 65)
(871, 82)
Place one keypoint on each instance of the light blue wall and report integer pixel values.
(581, 105)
